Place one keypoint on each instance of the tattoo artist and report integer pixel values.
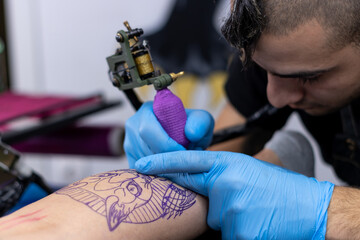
(304, 55)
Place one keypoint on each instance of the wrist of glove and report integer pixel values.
(145, 136)
(248, 198)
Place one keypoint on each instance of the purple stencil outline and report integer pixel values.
(130, 197)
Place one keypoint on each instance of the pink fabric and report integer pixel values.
(78, 140)
(13, 106)
(171, 114)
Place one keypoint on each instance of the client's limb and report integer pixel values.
(291, 150)
(120, 204)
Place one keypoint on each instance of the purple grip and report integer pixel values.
(171, 114)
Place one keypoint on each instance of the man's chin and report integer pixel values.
(319, 111)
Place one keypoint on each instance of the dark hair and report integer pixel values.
(243, 27)
(250, 18)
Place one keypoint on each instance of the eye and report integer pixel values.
(310, 79)
(134, 189)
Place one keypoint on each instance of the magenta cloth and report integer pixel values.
(15, 106)
(74, 140)
(171, 114)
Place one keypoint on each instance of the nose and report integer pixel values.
(284, 91)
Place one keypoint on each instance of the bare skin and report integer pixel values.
(119, 204)
(343, 214)
(304, 73)
(332, 75)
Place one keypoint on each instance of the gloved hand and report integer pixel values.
(144, 135)
(248, 198)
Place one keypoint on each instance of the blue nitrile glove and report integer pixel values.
(144, 135)
(248, 198)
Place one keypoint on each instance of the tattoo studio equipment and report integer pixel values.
(132, 66)
(267, 117)
(15, 177)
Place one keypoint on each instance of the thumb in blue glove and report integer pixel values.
(145, 136)
(248, 198)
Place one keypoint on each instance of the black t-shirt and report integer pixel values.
(246, 91)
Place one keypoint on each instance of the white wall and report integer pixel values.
(60, 46)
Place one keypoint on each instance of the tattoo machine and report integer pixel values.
(131, 66)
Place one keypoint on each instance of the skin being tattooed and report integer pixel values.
(129, 197)
(119, 204)
(30, 217)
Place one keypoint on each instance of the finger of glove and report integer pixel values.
(199, 128)
(215, 209)
(132, 125)
(134, 146)
(133, 156)
(231, 228)
(177, 162)
(153, 134)
(194, 182)
(135, 149)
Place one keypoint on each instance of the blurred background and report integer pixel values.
(59, 48)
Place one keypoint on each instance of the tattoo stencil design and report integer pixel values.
(129, 197)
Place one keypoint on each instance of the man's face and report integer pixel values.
(304, 73)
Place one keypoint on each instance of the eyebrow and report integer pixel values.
(303, 74)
